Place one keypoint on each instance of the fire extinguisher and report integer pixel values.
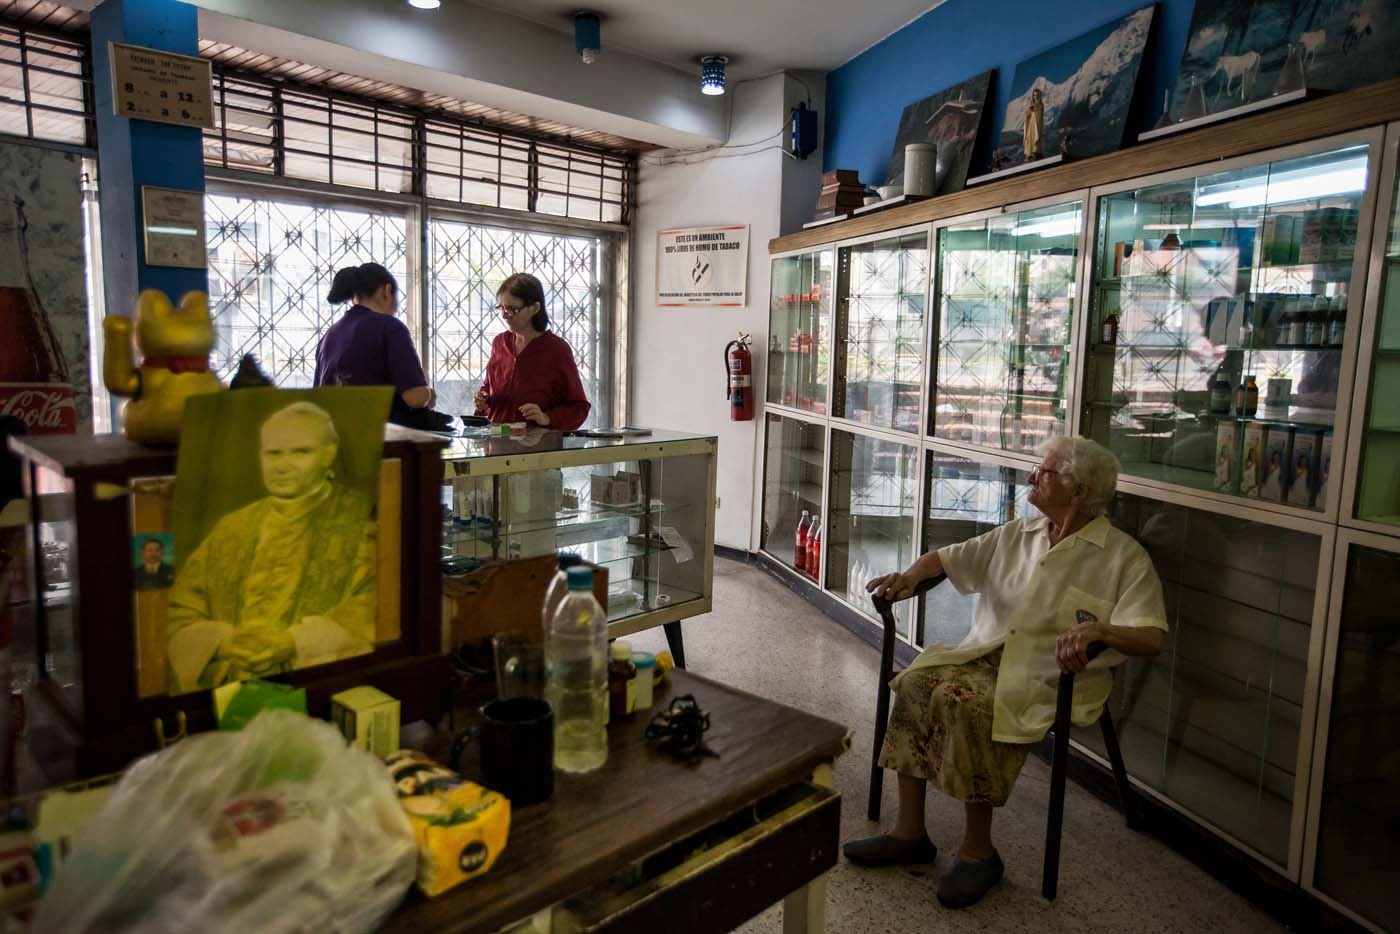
(738, 364)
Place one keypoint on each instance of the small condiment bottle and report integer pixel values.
(622, 680)
(1109, 332)
(1250, 390)
(645, 664)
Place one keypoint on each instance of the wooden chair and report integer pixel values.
(1050, 874)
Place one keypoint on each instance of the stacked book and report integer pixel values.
(841, 194)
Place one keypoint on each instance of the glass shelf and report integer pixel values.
(879, 362)
(792, 483)
(1005, 316)
(799, 325)
(1206, 277)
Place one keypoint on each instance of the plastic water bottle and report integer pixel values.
(576, 676)
(558, 587)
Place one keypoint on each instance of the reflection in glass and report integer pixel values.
(880, 332)
(1378, 497)
(799, 316)
(965, 499)
(792, 485)
(1357, 857)
(871, 531)
(1006, 300)
(1220, 306)
(1213, 722)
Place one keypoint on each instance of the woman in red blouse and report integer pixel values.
(531, 375)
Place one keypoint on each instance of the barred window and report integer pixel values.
(338, 139)
(45, 87)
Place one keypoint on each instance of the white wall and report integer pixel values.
(678, 374)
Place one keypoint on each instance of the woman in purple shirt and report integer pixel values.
(368, 346)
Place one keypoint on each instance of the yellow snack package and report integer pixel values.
(461, 827)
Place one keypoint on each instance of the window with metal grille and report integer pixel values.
(330, 137)
(468, 262)
(45, 87)
(271, 261)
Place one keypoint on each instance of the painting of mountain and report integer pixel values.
(950, 120)
(1086, 85)
(1238, 50)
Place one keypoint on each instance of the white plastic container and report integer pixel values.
(920, 160)
(645, 680)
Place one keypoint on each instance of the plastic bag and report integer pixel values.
(280, 827)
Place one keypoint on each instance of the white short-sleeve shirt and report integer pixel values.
(1030, 594)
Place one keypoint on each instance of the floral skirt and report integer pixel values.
(940, 730)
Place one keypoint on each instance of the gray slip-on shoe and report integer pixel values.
(885, 850)
(964, 885)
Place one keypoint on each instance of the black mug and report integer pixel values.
(517, 749)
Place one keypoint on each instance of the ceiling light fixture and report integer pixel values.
(588, 35)
(425, 4)
(712, 74)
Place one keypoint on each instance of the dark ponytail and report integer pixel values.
(528, 289)
(353, 281)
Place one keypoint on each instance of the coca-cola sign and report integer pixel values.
(46, 408)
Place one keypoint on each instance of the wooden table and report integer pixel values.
(648, 843)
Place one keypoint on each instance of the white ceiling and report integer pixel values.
(759, 36)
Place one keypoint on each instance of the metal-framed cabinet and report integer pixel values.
(640, 506)
(1271, 703)
(1371, 489)
(1352, 856)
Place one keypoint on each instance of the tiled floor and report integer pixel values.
(764, 639)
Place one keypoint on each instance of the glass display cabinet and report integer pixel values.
(1006, 295)
(871, 514)
(793, 484)
(641, 506)
(1215, 722)
(1221, 307)
(963, 499)
(799, 331)
(1376, 474)
(882, 286)
(1355, 858)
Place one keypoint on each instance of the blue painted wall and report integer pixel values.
(961, 38)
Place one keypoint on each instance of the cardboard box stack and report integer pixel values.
(841, 193)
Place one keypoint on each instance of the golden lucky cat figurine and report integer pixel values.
(174, 344)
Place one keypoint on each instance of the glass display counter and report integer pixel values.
(879, 366)
(1221, 306)
(799, 332)
(641, 506)
(794, 482)
(1006, 294)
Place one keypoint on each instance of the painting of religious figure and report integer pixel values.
(275, 544)
(950, 120)
(1242, 51)
(1076, 94)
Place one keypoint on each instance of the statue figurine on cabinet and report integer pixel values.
(1065, 137)
(1033, 126)
(174, 344)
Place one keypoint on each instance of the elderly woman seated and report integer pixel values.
(964, 717)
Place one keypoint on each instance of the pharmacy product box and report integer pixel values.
(1227, 452)
(1250, 455)
(1303, 466)
(1274, 472)
(368, 718)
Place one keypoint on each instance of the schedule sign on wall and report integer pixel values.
(149, 84)
(702, 267)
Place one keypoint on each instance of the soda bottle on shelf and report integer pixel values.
(576, 676)
(799, 556)
(814, 551)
